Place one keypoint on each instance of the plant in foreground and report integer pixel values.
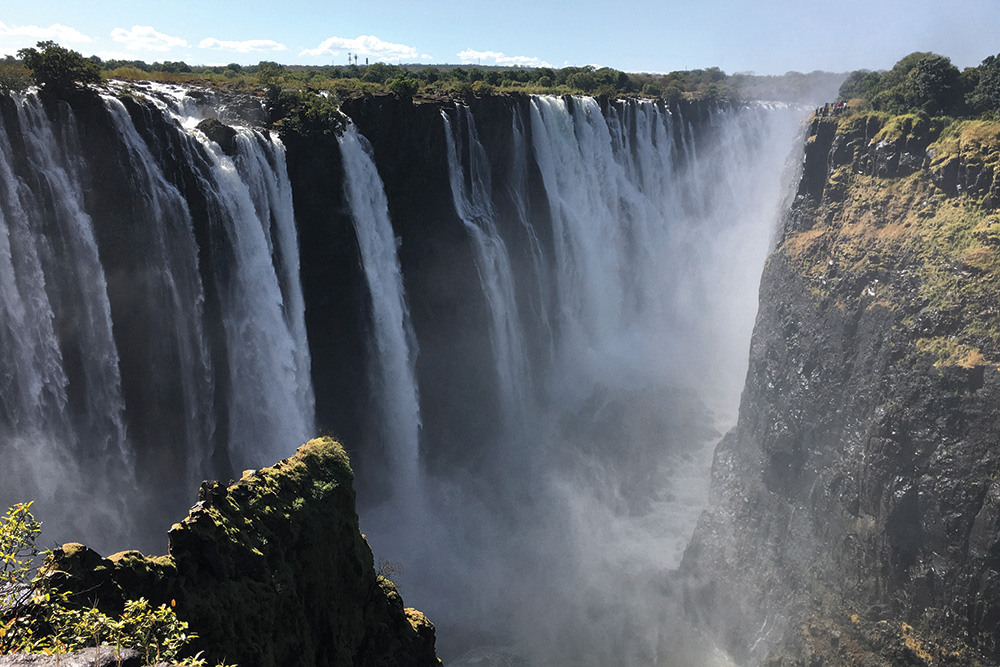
(37, 618)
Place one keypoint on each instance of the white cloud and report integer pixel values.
(56, 32)
(470, 56)
(368, 46)
(245, 46)
(145, 38)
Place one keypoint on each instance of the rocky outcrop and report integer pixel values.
(220, 133)
(854, 516)
(269, 571)
(100, 656)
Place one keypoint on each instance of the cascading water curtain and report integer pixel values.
(617, 355)
(153, 334)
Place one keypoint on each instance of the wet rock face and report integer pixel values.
(855, 508)
(269, 570)
(220, 133)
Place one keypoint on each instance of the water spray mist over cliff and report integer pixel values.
(618, 348)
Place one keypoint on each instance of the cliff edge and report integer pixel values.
(856, 505)
(268, 571)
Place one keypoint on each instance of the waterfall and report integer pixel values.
(270, 402)
(472, 193)
(636, 298)
(63, 411)
(152, 333)
(393, 340)
(172, 281)
(153, 322)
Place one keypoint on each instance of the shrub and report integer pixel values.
(311, 114)
(585, 81)
(482, 88)
(35, 618)
(380, 73)
(606, 90)
(14, 78)
(651, 90)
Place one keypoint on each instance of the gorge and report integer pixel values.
(527, 319)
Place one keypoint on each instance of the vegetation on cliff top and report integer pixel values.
(58, 68)
(906, 217)
(928, 83)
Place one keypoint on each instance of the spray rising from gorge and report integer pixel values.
(547, 329)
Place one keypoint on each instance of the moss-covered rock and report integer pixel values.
(268, 571)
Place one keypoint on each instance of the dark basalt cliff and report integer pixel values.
(271, 570)
(856, 506)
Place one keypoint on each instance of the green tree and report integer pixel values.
(585, 81)
(35, 618)
(269, 73)
(858, 83)
(380, 73)
(18, 532)
(14, 77)
(934, 85)
(984, 95)
(404, 86)
(57, 68)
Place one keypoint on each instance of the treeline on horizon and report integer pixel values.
(921, 82)
(710, 84)
(928, 84)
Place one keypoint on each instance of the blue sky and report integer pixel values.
(766, 37)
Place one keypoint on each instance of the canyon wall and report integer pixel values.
(854, 514)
